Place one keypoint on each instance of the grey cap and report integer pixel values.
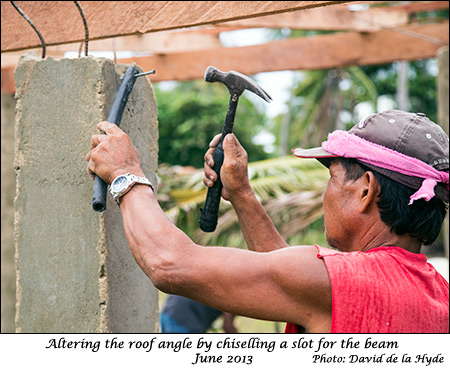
(412, 134)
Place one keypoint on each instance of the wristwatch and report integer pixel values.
(122, 184)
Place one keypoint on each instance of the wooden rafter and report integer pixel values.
(326, 51)
(341, 18)
(330, 51)
(59, 21)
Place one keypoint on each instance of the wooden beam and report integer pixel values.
(158, 42)
(327, 51)
(422, 6)
(319, 52)
(59, 21)
(8, 85)
(337, 18)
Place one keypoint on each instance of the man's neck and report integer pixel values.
(380, 235)
(407, 243)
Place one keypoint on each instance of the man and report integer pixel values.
(398, 168)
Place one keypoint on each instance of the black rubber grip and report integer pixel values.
(210, 214)
(115, 115)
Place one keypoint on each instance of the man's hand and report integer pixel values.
(112, 154)
(257, 227)
(234, 171)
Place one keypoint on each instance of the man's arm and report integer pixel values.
(257, 227)
(289, 284)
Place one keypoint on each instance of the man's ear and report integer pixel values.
(369, 192)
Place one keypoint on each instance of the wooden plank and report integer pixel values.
(8, 85)
(337, 18)
(327, 51)
(422, 6)
(158, 42)
(319, 52)
(59, 21)
(340, 18)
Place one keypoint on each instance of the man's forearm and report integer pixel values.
(154, 240)
(257, 227)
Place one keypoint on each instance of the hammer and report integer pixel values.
(236, 83)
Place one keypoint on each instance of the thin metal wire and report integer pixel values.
(418, 35)
(33, 26)
(80, 49)
(86, 30)
(410, 33)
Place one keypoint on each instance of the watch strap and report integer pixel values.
(132, 180)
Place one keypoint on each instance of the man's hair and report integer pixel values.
(422, 220)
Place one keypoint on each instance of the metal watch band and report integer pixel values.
(132, 180)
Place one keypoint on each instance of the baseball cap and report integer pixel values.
(406, 147)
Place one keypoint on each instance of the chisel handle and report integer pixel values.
(115, 115)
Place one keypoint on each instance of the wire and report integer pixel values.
(32, 25)
(418, 35)
(86, 30)
(406, 32)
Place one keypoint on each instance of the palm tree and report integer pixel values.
(318, 102)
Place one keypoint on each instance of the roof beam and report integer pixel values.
(327, 51)
(59, 21)
(335, 19)
(158, 42)
(306, 53)
(340, 18)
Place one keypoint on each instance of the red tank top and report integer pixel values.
(384, 290)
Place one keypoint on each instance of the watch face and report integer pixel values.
(119, 184)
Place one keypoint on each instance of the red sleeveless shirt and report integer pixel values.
(384, 290)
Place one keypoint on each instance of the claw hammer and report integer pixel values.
(236, 83)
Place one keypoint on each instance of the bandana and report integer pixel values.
(344, 144)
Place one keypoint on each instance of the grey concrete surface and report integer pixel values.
(75, 272)
(8, 186)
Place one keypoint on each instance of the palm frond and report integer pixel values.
(360, 78)
(290, 189)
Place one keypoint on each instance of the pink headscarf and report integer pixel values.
(344, 144)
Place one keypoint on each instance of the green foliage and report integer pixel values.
(290, 189)
(191, 113)
(317, 104)
(421, 84)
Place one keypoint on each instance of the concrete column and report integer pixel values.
(8, 287)
(443, 96)
(75, 272)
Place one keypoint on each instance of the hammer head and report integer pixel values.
(235, 82)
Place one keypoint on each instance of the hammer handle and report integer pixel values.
(115, 115)
(210, 214)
